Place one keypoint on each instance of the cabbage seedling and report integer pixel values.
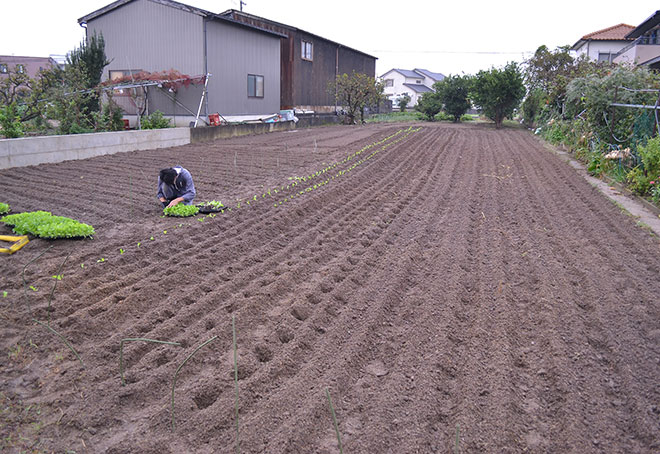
(4, 208)
(181, 210)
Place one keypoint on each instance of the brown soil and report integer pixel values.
(462, 290)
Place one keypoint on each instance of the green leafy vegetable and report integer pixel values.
(4, 208)
(43, 224)
(181, 210)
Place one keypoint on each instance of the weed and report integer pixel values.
(4, 294)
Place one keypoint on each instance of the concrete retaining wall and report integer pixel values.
(226, 131)
(29, 151)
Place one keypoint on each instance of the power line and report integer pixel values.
(451, 52)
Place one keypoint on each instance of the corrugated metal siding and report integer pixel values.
(151, 37)
(233, 53)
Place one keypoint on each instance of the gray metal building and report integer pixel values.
(161, 35)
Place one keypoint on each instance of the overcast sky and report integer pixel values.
(450, 37)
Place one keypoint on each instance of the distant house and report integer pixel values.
(28, 65)
(603, 45)
(412, 82)
(309, 63)
(162, 35)
(644, 48)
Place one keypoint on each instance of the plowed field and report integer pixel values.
(454, 288)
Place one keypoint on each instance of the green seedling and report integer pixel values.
(177, 373)
(121, 251)
(4, 208)
(43, 224)
(121, 352)
(33, 288)
(138, 245)
(4, 294)
(101, 260)
(181, 210)
(58, 277)
(164, 232)
(82, 265)
(152, 238)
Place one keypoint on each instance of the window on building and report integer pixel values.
(389, 82)
(3, 68)
(418, 81)
(307, 51)
(604, 57)
(117, 74)
(255, 86)
(20, 69)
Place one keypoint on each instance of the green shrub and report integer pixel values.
(181, 210)
(4, 208)
(43, 224)
(10, 121)
(155, 120)
(641, 176)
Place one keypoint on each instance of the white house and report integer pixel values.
(412, 82)
(603, 45)
(644, 47)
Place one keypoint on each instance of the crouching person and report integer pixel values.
(175, 185)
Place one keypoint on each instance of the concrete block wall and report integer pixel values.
(29, 151)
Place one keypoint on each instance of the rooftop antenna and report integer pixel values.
(242, 3)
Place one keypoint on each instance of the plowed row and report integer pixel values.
(452, 286)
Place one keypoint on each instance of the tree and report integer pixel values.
(453, 92)
(498, 92)
(404, 100)
(90, 59)
(355, 93)
(429, 104)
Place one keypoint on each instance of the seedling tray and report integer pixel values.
(209, 209)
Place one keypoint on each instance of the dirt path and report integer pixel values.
(446, 280)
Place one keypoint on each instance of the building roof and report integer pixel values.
(614, 33)
(418, 88)
(648, 24)
(173, 4)
(430, 75)
(417, 73)
(231, 12)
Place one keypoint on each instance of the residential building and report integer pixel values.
(414, 83)
(243, 60)
(309, 63)
(28, 65)
(644, 48)
(603, 45)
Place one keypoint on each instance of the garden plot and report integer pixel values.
(453, 287)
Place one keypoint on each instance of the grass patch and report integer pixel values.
(393, 117)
